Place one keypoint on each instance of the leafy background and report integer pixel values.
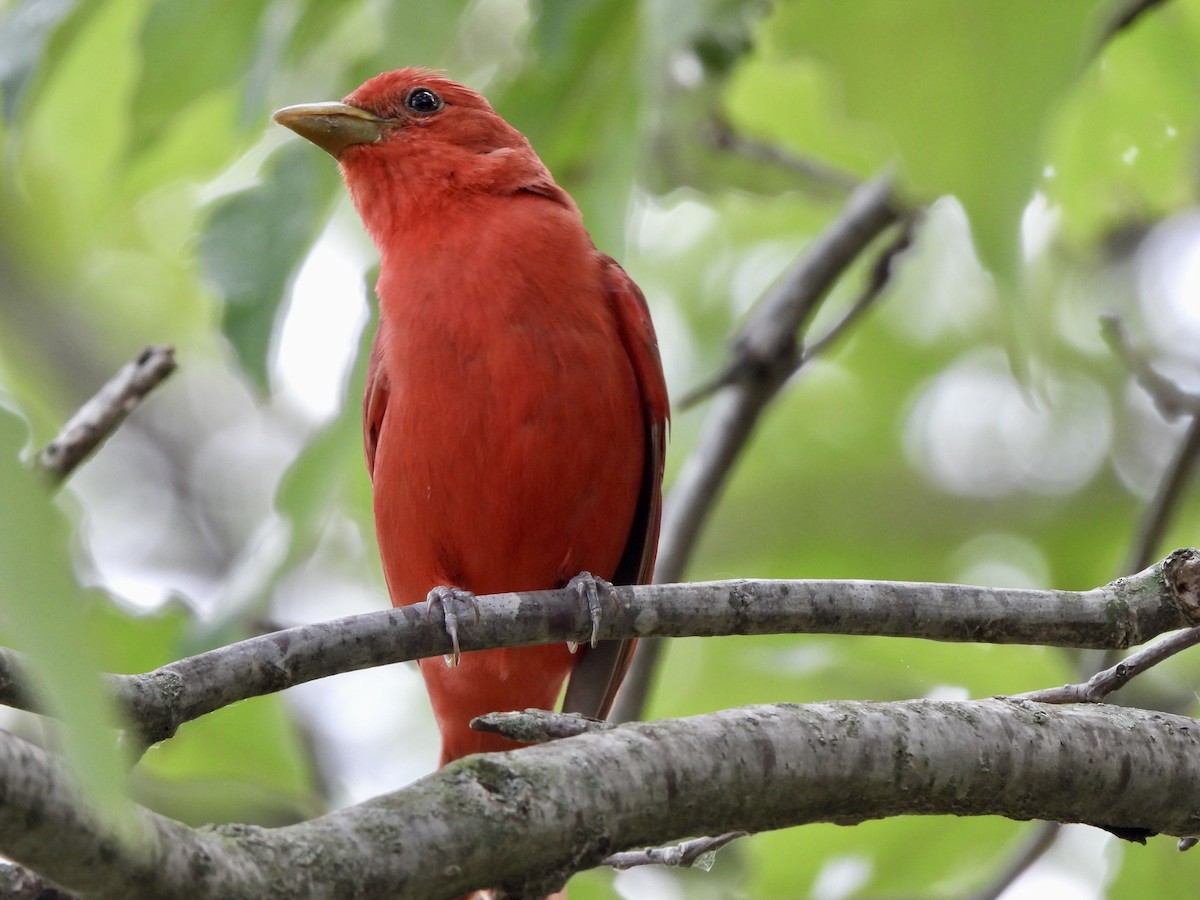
(973, 427)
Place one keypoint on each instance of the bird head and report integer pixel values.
(412, 136)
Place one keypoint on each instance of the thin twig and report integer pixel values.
(1166, 499)
(1100, 685)
(765, 356)
(1045, 834)
(1172, 401)
(880, 278)
(815, 173)
(765, 350)
(681, 856)
(100, 416)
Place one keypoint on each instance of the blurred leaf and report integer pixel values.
(41, 616)
(220, 38)
(133, 643)
(1124, 146)
(964, 93)
(419, 34)
(316, 21)
(887, 855)
(253, 747)
(1155, 870)
(25, 30)
(587, 56)
(255, 239)
(72, 180)
(618, 98)
(201, 141)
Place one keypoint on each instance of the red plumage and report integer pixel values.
(515, 412)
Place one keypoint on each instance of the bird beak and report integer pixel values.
(333, 126)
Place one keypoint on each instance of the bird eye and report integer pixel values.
(422, 100)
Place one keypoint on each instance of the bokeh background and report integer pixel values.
(972, 427)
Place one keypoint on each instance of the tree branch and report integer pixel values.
(684, 855)
(100, 416)
(1122, 614)
(515, 819)
(1100, 685)
(538, 726)
(764, 352)
(1171, 400)
(816, 174)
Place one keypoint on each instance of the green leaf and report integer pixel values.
(73, 179)
(964, 92)
(26, 31)
(220, 38)
(419, 34)
(42, 616)
(255, 239)
(314, 25)
(565, 106)
(1124, 150)
(245, 762)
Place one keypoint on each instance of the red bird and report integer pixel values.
(515, 414)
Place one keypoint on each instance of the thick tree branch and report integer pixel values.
(1122, 614)
(101, 416)
(526, 820)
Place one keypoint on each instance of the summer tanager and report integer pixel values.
(515, 411)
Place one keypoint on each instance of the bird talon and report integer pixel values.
(587, 588)
(451, 601)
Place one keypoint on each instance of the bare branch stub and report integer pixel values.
(100, 416)
(683, 856)
(1181, 570)
(537, 726)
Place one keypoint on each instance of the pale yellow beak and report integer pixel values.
(334, 126)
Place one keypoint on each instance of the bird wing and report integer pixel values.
(375, 401)
(597, 676)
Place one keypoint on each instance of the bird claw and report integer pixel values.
(587, 588)
(453, 603)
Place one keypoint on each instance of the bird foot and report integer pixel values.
(588, 588)
(454, 604)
